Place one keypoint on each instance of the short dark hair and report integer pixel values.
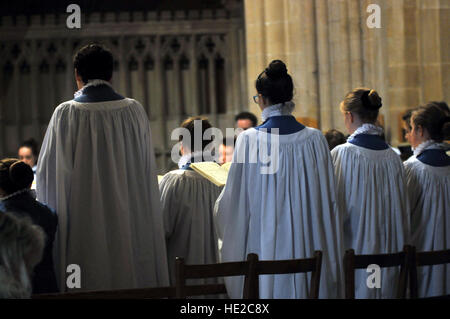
(334, 138)
(94, 61)
(247, 116)
(189, 124)
(31, 144)
(14, 175)
(275, 83)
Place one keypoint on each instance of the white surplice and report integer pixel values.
(188, 201)
(372, 197)
(97, 170)
(429, 193)
(285, 215)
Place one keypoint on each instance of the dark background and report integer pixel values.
(29, 7)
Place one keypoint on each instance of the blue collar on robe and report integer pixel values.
(370, 141)
(186, 167)
(286, 124)
(434, 157)
(99, 93)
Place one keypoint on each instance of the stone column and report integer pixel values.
(255, 38)
(434, 49)
(284, 30)
(329, 50)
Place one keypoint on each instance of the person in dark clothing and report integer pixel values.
(334, 138)
(15, 197)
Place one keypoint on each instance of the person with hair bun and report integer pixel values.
(97, 169)
(371, 190)
(428, 180)
(281, 205)
(15, 196)
(21, 248)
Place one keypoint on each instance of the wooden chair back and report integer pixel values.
(144, 293)
(291, 266)
(427, 258)
(352, 262)
(228, 269)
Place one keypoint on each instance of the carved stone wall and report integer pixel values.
(329, 50)
(176, 63)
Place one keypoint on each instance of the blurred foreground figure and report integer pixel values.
(21, 247)
(97, 170)
(16, 197)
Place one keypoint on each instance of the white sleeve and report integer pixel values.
(46, 167)
(231, 210)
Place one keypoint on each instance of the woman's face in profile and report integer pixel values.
(346, 115)
(26, 155)
(407, 130)
(416, 136)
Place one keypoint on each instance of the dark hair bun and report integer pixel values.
(371, 100)
(275, 84)
(375, 99)
(277, 69)
(21, 174)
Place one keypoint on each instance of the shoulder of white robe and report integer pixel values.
(170, 178)
(137, 104)
(59, 111)
(339, 150)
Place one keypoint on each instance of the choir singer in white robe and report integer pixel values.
(372, 190)
(188, 201)
(281, 204)
(97, 170)
(428, 179)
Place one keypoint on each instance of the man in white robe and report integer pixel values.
(97, 170)
(188, 201)
(284, 208)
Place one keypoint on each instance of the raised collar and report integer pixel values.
(285, 124)
(434, 157)
(96, 91)
(370, 141)
(285, 108)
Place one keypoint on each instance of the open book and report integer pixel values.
(213, 171)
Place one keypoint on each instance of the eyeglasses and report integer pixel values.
(256, 99)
